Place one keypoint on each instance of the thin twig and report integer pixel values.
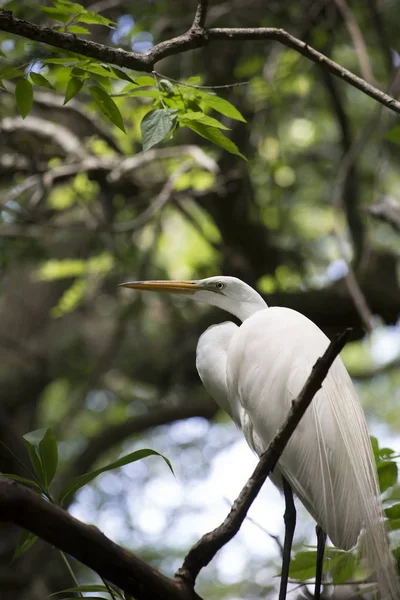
(201, 87)
(387, 210)
(273, 537)
(159, 202)
(206, 548)
(354, 288)
(70, 571)
(358, 40)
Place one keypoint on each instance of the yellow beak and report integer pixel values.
(173, 287)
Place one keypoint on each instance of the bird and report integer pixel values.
(254, 371)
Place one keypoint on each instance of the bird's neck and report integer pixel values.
(243, 306)
(249, 307)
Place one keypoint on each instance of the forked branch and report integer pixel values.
(86, 543)
(197, 36)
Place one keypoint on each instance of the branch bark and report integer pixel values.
(208, 546)
(196, 37)
(27, 509)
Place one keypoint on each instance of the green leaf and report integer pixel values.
(122, 75)
(375, 447)
(20, 479)
(71, 7)
(77, 29)
(2, 85)
(145, 80)
(39, 79)
(393, 512)
(107, 106)
(386, 453)
(387, 474)
(79, 73)
(222, 106)
(156, 126)
(73, 486)
(26, 540)
(35, 459)
(343, 567)
(24, 97)
(92, 18)
(302, 566)
(73, 87)
(10, 73)
(65, 60)
(200, 117)
(216, 136)
(56, 14)
(2, 53)
(394, 524)
(70, 299)
(94, 68)
(48, 453)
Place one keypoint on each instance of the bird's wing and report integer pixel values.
(211, 355)
(328, 460)
(211, 363)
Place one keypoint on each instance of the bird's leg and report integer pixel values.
(290, 524)
(321, 540)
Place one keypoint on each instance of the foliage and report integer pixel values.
(174, 106)
(343, 566)
(43, 454)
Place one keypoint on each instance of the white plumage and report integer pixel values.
(254, 372)
(262, 379)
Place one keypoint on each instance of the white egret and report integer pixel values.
(254, 372)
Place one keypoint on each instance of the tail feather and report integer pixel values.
(354, 433)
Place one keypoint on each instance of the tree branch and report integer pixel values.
(358, 40)
(207, 547)
(86, 543)
(387, 210)
(195, 37)
(199, 20)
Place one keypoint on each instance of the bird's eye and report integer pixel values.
(219, 285)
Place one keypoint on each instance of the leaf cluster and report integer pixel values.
(43, 454)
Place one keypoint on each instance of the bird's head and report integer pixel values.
(229, 293)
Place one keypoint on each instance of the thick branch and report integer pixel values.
(86, 543)
(208, 546)
(195, 37)
(69, 42)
